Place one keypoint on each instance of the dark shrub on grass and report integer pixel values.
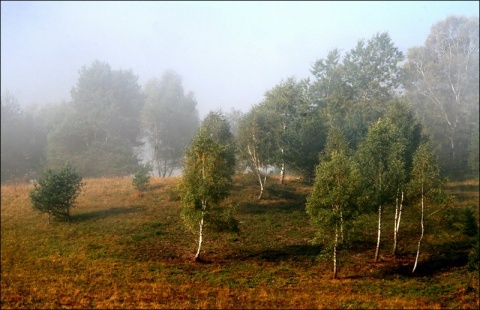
(141, 180)
(56, 191)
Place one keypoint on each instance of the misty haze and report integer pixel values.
(240, 154)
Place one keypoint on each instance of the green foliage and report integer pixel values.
(353, 93)
(409, 127)
(474, 254)
(207, 175)
(55, 192)
(141, 179)
(372, 68)
(426, 180)
(297, 128)
(470, 225)
(257, 145)
(101, 126)
(333, 198)
(382, 162)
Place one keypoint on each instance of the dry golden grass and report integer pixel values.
(125, 249)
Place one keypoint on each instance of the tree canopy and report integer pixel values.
(102, 128)
(170, 119)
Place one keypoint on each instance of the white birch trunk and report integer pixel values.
(396, 226)
(397, 207)
(377, 250)
(262, 187)
(341, 225)
(421, 236)
(335, 253)
(256, 163)
(282, 172)
(379, 233)
(400, 212)
(200, 235)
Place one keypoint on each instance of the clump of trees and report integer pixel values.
(55, 192)
(110, 119)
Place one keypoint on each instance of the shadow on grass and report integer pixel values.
(445, 257)
(156, 186)
(296, 252)
(285, 207)
(102, 214)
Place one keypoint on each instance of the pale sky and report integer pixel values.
(228, 53)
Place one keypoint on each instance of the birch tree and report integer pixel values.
(332, 201)
(410, 130)
(206, 181)
(257, 148)
(443, 86)
(381, 158)
(424, 185)
(289, 102)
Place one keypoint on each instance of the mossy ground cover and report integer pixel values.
(125, 249)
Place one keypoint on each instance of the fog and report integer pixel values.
(227, 53)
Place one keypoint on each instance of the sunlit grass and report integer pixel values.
(125, 249)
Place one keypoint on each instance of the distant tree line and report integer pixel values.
(371, 95)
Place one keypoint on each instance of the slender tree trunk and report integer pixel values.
(172, 165)
(377, 250)
(341, 225)
(282, 172)
(335, 253)
(200, 235)
(262, 185)
(421, 236)
(400, 212)
(256, 163)
(164, 169)
(379, 233)
(397, 207)
(159, 167)
(396, 226)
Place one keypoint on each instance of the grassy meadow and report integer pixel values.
(125, 249)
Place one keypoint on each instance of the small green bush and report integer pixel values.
(473, 255)
(470, 226)
(55, 192)
(141, 180)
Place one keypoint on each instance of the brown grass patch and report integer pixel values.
(124, 250)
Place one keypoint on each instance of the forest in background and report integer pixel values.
(432, 91)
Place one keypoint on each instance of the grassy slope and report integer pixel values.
(125, 250)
